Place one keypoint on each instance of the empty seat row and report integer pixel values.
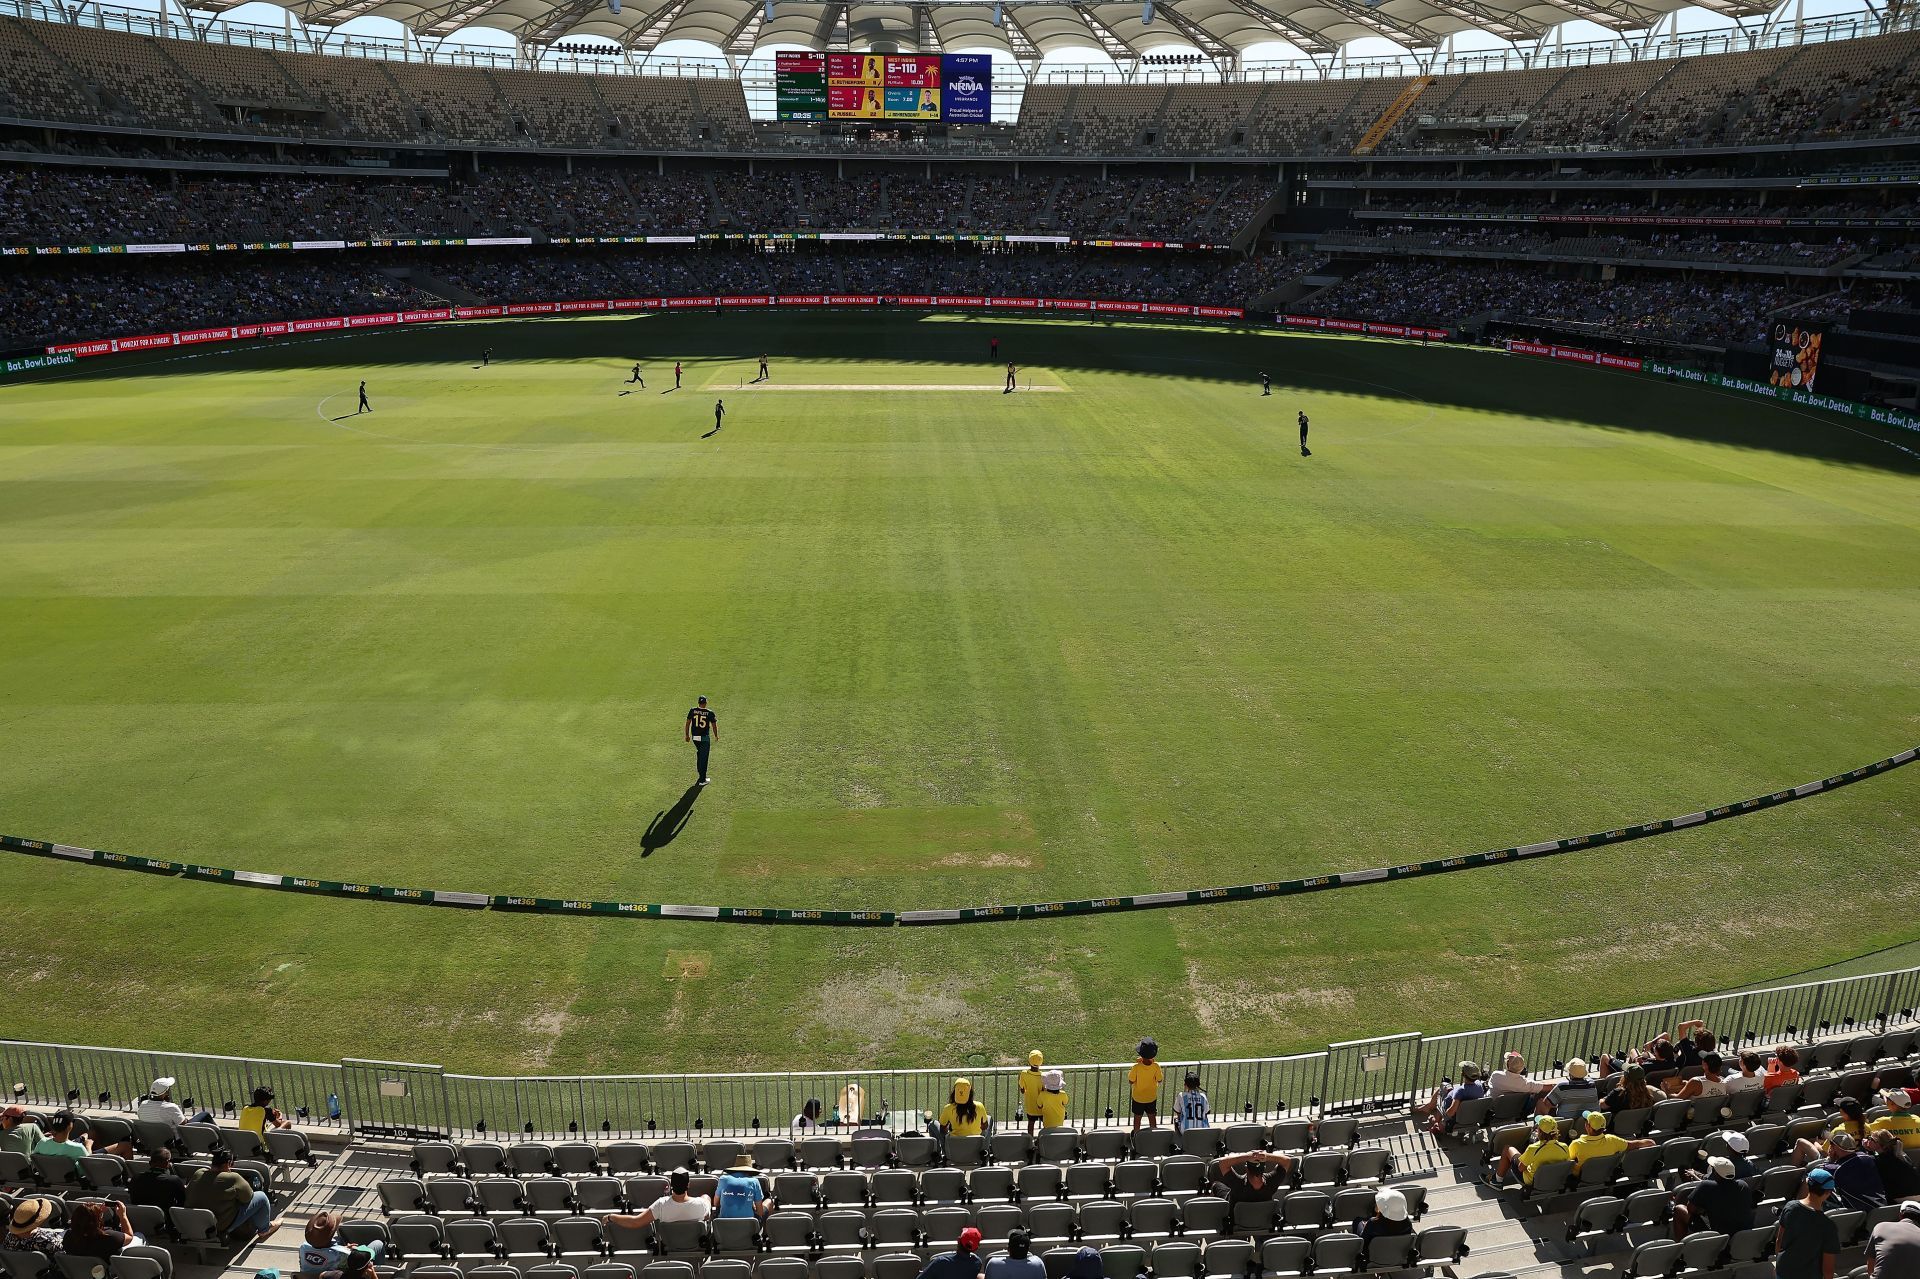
(1276, 1258)
(1179, 1177)
(1304, 1213)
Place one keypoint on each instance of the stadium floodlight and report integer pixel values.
(613, 7)
(766, 11)
(997, 16)
(1146, 13)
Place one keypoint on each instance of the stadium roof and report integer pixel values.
(1026, 28)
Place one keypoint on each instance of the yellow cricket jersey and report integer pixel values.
(1030, 1090)
(1595, 1145)
(1145, 1079)
(1539, 1153)
(950, 1120)
(1905, 1125)
(1053, 1109)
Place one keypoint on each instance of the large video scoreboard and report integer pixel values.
(952, 87)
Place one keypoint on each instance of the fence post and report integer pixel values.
(1813, 1013)
(1326, 1085)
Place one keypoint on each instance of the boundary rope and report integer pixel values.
(952, 915)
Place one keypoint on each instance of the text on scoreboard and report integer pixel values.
(953, 87)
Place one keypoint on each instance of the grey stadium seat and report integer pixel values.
(1284, 1255)
(1390, 1252)
(1123, 1261)
(1445, 1244)
(1227, 1257)
(888, 1266)
(142, 1262)
(1176, 1259)
(1652, 1260)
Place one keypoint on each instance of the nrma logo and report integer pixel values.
(968, 84)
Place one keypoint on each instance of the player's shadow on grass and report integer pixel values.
(668, 823)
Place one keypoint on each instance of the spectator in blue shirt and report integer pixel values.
(1018, 1261)
(1439, 1110)
(739, 1192)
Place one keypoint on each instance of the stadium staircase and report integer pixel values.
(1395, 112)
(415, 115)
(1049, 214)
(1727, 121)
(203, 97)
(1623, 124)
(1247, 234)
(1533, 108)
(1244, 125)
(97, 95)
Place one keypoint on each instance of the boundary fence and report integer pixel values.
(1384, 1074)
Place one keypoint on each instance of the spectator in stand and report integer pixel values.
(1512, 1077)
(98, 1228)
(1191, 1109)
(962, 1263)
(240, 1213)
(1856, 1178)
(1597, 1143)
(1900, 1122)
(1546, 1148)
(1632, 1092)
(357, 1264)
(321, 1249)
(261, 1114)
(1053, 1100)
(1893, 1249)
(1439, 1109)
(1145, 1075)
(1898, 1176)
(1573, 1096)
(1782, 1068)
(1721, 1201)
(61, 1139)
(808, 1120)
(1710, 1084)
(18, 1133)
(1031, 1086)
(1252, 1177)
(1390, 1217)
(158, 1107)
(678, 1204)
(962, 1116)
(1018, 1261)
(158, 1185)
(28, 1231)
(739, 1193)
(1806, 1241)
(1748, 1076)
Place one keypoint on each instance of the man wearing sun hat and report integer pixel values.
(738, 1193)
(962, 1263)
(1806, 1241)
(28, 1231)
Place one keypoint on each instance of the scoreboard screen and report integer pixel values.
(954, 87)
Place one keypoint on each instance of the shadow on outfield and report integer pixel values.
(1309, 371)
(668, 823)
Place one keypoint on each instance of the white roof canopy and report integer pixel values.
(1026, 28)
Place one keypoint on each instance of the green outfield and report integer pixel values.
(1110, 634)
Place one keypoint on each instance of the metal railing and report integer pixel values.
(1383, 1074)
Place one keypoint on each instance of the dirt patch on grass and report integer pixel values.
(880, 841)
(1219, 1004)
(687, 965)
(875, 1009)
